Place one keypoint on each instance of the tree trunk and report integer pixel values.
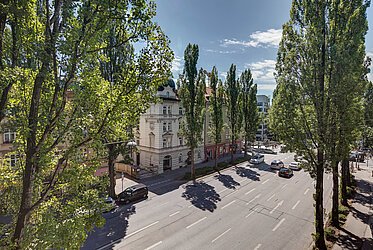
(216, 157)
(111, 161)
(232, 150)
(335, 200)
(319, 213)
(245, 147)
(345, 169)
(192, 167)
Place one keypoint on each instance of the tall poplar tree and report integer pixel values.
(298, 114)
(233, 95)
(320, 74)
(192, 94)
(216, 110)
(249, 107)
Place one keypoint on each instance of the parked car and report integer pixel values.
(277, 164)
(110, 205)
(269, 151)
(256, 159)
(136, 192)
(285, 172)
(298, 158)
(294, 165)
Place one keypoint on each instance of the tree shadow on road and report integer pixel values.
(227, 181)
(248, 173)
(114, 229)
(202, 196)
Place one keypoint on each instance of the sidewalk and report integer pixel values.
(167, 176)
(356, 233)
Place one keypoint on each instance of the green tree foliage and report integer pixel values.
(216, 109)
(192, 94)
(60, 102)
(346, 79)
(249, 107)
(314, 72)
(233, 94)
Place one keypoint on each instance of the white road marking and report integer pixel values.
(329, 177)
(141, 229)
(279, 204)
(256, 197)
(190, 206)
(278, 224)
(164, 203)
(249, 214)
(230, 193)
(198, 221)
(306, 191)
(296, 204)
(250, 191)
(284, 186)
(221, 235)
(154, 245)
(258, 246)
(271, 197)
(229, 204)
(265, 181)
(174, 213)
(221, 191)
(161, 182)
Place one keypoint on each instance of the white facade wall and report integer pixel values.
(263, 103)
(158, 136)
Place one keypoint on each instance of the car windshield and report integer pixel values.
(255, 157)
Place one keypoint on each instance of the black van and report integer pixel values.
(133, 193)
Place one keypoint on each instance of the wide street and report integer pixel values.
(246, 207)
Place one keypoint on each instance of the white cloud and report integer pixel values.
(263, 71)
(370, 75)
(221, 51)
(223, 74)
(270, 87)
(177, 66)
(269, 38)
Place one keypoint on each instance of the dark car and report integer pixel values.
(285, 172)
(136, 192)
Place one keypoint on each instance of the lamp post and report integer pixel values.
(131, 144)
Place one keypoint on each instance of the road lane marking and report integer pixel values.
(296, 204)
(279, 204)
(230, 193)
(284, 186)
(328, 177)
(250, 191)
(229, 204)
(265, 181)
(154, 245)
(141, 229)
(226, 231)
(278, 224)
(174, 213)
(271, 197)
(160, 182)
(198, 221)
(221, 191)
(258, 246)
(256, 197)
(306, 191)
(164, 203)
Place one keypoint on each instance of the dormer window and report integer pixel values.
(167, 94)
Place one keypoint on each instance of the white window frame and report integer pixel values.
(9, 136)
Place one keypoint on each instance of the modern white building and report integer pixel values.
(263, 103)
(160, 145)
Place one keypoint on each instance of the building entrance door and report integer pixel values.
(167, 163)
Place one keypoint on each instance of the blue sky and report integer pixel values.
(243, 32)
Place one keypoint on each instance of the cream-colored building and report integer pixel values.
(7, 138)
(263, 103)
(160, 146)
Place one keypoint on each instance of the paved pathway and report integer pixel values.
(356, 233)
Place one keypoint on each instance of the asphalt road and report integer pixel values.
(246, 207)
